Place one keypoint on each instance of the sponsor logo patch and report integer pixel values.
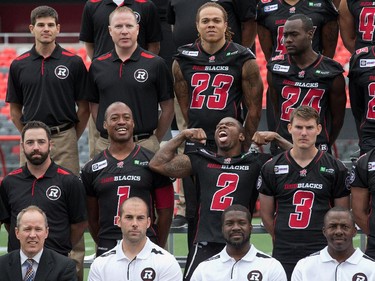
(281, 169)
(366, 63)
(99, 165)
(271, 8)
(281, 68)
(190, 53)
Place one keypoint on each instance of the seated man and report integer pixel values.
(135, 257)
(339, 260)
(239, 260)
(33, 261)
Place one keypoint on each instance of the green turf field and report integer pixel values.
(261, 241)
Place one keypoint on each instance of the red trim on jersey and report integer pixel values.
(33, 186)
(147, 56)
(95, 1)
(319, 157)
(62, 172)
(42, 67)
(136, 152)
(23, 56)
(141, 1)
(120, 70)
(164, 197)
(104, 57)
(318, 62)
(69, 54)
(227, 45)
(15, 172)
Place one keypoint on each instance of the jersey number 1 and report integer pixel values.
(123, 194)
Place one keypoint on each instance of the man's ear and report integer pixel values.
(105, 125)
(242, 137)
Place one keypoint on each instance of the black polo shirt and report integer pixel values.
(48, 88)
(142, 82)
(59, 193)
(95, 21)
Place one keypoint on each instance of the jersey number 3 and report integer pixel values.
(304, 201)
(228, 183)
(218, 100)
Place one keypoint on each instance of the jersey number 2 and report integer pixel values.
(123, 194)
(304, 201)
(221, 200)
(218, 100)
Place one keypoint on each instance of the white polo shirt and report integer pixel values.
(152, 263)
(255, 265)
(321, 266)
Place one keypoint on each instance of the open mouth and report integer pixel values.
(223, 136)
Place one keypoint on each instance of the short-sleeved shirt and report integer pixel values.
(214, 83)
(151, 263)
(272, 15)
(95, 22)
(112, 181)
(362, 88)
(223, 181)
(302, 198)
(142, 82)
(364, 177)
(59, 193)
(48, 88)
(321, 266)
(255, 265)
(310, 86)
(182, 13)
(363, 15)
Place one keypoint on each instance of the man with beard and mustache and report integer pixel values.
(119, 172)
(54, 189)
(239, 260)
(224, 177)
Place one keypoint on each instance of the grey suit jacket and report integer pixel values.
(52, 267)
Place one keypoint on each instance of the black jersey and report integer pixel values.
(48, 88)
(142, 82)
(214, 83)
(59, 193)
(95, 21)
(302, 197)
(364, 177)
(222, 182)
(310, 86)
(112, 181)
(272, 14)
(361, 90)
(363, 13)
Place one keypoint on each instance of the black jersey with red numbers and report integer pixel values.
(272, 14)
(59, 193)
(214, 82)
(142, 82)
(361, 90)
(95, 21)
(363, 13)
(310, 86)
(222, 182)
(48, 88)
(302, 197)
(112, 181)
(364, 177)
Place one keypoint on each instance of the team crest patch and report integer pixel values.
(120, 164)
(255, 275)
(303, 173)
(227, 160)
(211, 59)
(61, 72)
(141, 75)
(323, 147)
(292, 10)
(138, 17)
(301, 74)
(53, 192)
(148, 274)
(359, 277)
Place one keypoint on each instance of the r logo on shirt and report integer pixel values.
(53, 192)
(359, 277)
(141, 75)
(255, 275)
(148, 274)
(61, 72)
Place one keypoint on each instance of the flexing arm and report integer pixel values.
(267, 212)
(347, 26)
(16, 114)
(337, 103)
(153, 47)
(168, 163)
(93, 217)
(330, 34)
(181, 90)
(252, 89)
(76, 232)
(83, 114)
(89, 49)
(264, 137)
(265, 40)
(361, 207)
(165, 119)
(249, 31)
